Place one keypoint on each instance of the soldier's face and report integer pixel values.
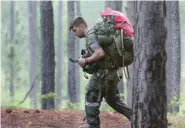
(78, 31)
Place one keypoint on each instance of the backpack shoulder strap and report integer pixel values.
(118, 39)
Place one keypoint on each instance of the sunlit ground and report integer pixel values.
(177, 121)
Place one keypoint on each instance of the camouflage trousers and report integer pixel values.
(103, 86)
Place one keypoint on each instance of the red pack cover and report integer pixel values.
(120, 18)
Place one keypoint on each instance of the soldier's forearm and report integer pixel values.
(97, 55)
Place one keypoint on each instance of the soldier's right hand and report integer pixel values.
(81, 61)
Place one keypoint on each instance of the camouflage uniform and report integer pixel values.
(103, 84)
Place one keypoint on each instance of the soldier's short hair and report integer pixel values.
(76, 22)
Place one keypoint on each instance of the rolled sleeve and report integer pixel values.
(93, 41)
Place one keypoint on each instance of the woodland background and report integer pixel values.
(22, 55)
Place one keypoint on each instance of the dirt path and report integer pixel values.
(32, 118)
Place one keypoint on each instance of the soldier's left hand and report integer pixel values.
(81, 61)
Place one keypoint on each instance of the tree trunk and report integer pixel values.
(115, 5)
(12, 51)
(59, 56)
(71, 53)
(169, 54)
(173, 52)
(131, 15)
(48, 55)
(149, 94)
(77, 53)
(33, 37)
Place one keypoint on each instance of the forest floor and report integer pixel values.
(36, 118)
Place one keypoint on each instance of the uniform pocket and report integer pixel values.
(112, 80)
(92, 96)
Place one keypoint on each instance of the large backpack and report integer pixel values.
(115, 34)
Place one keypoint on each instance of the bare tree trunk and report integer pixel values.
(115, 5)
(71, 53)
(174, 52)
(59, 56)
(48, 55)
(131, 15)
(149, 91)
(169, 54)
(33, 37)
(12, 51)
(77, 51)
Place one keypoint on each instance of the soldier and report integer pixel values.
(104, 79)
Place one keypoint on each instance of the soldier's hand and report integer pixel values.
(81, 61)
